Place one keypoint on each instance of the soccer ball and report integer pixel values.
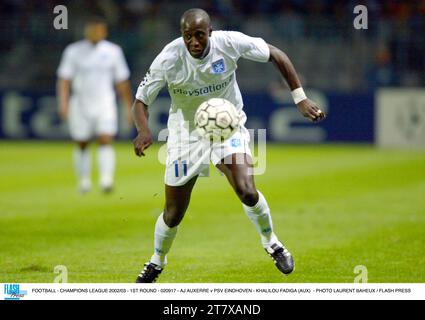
(216, 119)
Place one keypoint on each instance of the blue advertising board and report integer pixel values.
(29, 115)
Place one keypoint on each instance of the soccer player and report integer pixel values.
(93, 67)
(196, 67)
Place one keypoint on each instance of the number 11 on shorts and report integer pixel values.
(177, 165)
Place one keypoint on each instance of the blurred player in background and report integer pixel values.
(196, 67)
(94, 68)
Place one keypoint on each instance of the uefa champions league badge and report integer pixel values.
(218, 66)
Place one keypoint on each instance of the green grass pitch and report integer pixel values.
(335, 207)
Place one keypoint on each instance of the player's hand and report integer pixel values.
(310, 110)
(142, 142)
(63, 113)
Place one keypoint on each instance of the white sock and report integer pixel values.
(106, 163)
(82, 165)
(164, 237)
(259, 214)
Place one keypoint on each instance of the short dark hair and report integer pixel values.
(95, 20)
(193, 14)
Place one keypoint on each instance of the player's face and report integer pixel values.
(196, 36)
(96, 32)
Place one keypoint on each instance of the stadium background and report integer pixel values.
(346, 192)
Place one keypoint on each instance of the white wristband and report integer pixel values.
(298, 95)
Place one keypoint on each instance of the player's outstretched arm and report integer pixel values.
(144, 136)
(308, 108)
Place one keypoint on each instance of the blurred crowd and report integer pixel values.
(318, 35)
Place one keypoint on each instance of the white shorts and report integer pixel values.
(187, 160)
(84, 127)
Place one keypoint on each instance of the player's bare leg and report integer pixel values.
(106, 162)
(238, 170)
(83, 166)
(177, 200)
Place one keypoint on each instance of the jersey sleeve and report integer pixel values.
(121, 71)
(152, 83)
(66, 69)
(250, 48)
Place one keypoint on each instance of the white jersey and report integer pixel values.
(192, 81)
(93, 70)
